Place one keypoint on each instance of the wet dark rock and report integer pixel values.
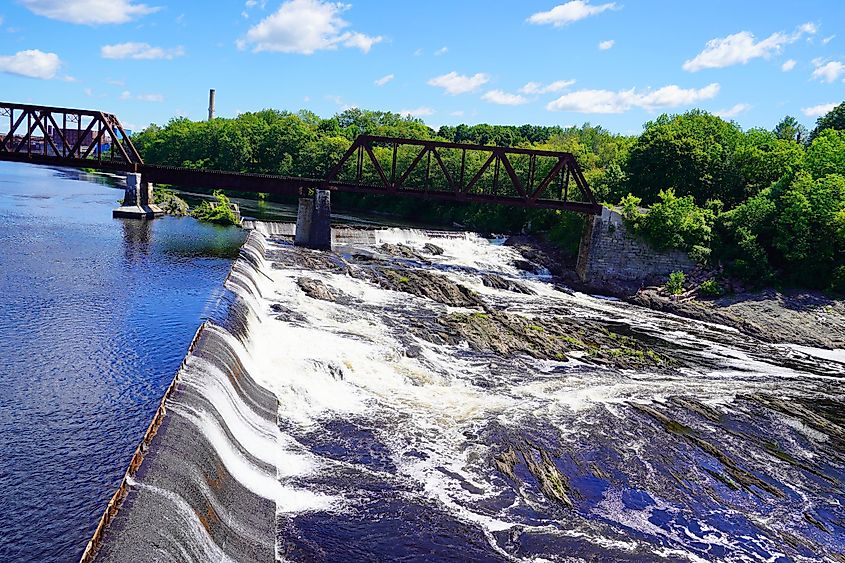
(552, 483)
(433, 249)
(423, 283)
(808, 318)
(552, 338)
(734, 474)
(286, 314)
(527, 266)
(498, 282)
(316, 289)
(402, 251)
(294, 257)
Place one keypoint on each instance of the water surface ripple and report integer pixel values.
(95, 317)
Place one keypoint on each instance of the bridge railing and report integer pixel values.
(464, 172)
(68, 137)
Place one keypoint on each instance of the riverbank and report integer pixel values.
(808, 318)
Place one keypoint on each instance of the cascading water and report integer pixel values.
(335, 415)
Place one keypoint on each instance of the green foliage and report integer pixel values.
(692, 152)
(711, 288)
(826, 154)
(789, 129)
(834, 119)
(672, 223)
(218, 212)
(675, 283)
(760, 203)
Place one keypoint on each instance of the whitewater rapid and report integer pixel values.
(370, 442)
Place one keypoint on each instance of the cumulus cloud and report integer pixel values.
(417, 112)
(304, 27)
(91, 12)
(384, 80)
(788, 65)
(605, 45)
(503, 98)
(742, 47)
(825, 41)
(539, 88)
(606, 101)
(454, 83)
(564, 14)
(31, 64)
(819, 110)
(139, 51)
(734, 111)
(441, 51)
(827, 71)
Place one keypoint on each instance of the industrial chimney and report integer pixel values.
(211, 104)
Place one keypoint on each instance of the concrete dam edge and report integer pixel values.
(178, 464)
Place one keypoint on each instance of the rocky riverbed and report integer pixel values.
(444, 396)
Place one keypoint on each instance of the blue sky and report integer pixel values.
(547, 62)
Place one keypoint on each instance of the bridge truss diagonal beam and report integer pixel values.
(425, 169)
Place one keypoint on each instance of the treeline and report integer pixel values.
(765, 205)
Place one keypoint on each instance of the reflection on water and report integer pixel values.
(95, 317)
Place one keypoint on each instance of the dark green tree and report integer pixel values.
(834, 119)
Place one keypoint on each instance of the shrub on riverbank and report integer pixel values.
(219, 211)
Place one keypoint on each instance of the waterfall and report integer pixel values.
(338, 412)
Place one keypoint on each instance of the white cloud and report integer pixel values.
(455, 83)
(539, 88)
(572, 11)
(384, 80)
(504, 98)
(417, 112)
(31, 64)
(139, 51)
(127, 95)
(742, 47)
(606, 101)
(819, 110)
(827, 71)
(734, 111)
(90, 12)
(441, 51)
(788, 65)
(304, 27)
(457, 113)
(605, 45)
(825, 41)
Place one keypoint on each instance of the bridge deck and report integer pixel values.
(417, 168)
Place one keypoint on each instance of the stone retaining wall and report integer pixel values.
(609, 253)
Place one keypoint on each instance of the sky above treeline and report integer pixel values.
(616, 64)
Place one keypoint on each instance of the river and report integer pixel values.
(95, 317)
(413, 396)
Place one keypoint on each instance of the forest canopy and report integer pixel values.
(765, 205)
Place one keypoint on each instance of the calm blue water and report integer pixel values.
(95, 316)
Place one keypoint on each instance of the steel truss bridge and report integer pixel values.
(433, 170)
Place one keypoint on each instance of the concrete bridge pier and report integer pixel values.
(137, 200)
(314, 221)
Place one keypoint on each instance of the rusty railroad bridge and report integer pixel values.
(433, 170)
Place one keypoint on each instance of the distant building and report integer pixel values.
(72, 137)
